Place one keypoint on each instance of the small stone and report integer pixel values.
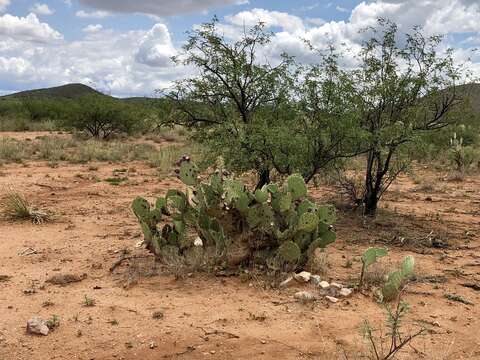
(331, 299)
(263, 342)
(336, 285)
(315, 279)
(345, 292)
(198, 241)
(38, 326)
(304, 296)
(30, 291)
(157, 315)
(152, 345)
(304, 276)
(212, 352)
(324, 284)
(286, 282)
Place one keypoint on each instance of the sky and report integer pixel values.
(124, 47)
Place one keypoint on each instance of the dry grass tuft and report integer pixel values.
(16, 207)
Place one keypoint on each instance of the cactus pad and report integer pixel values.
(261, 196)
(372, 255)
(296, 186)
(188, 172)
(326, 214)
(289, 252)
(141, 208)
(308, 222)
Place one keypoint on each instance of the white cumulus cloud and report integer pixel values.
(92, 28)
(92, 14)
(41, 9)
(155, 48)
(27, 28)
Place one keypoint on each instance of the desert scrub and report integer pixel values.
(77, 151)
(12, 150)
(52, 148)
(164, 158)
(16, 207)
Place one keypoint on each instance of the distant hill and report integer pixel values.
(471, 92)
(69, 91)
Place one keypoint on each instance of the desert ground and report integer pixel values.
(141, 310)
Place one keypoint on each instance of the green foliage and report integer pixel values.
(385, 347)
(396, 279)
(239, 106)
(53, 322)
(400, 91)
(462, 157)
(37, 109)
(233, 223)
(101, 116)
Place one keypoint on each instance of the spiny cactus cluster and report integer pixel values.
(275, 225)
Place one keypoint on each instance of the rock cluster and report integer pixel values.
(333, 292)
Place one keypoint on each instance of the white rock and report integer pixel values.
(345, 292)
(304, 276)
(331, 299)
(198, 242)
(37, 325)
(324, 284)
(336, 285)
(286, 282)
(304, 296)
(315, 279)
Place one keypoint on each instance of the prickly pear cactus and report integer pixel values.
(229, 224)
(289, 252)
(396, 279)
(188, 171)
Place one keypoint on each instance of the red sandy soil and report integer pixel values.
(223, 317)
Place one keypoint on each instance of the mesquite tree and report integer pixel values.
(236, 97)
(403, 87)
(326, 117)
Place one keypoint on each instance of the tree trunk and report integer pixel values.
(263, 178)
(370, 202)
(370, 198)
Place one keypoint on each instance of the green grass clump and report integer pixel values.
(116, 180)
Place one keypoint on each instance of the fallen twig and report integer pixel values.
(219, 332)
